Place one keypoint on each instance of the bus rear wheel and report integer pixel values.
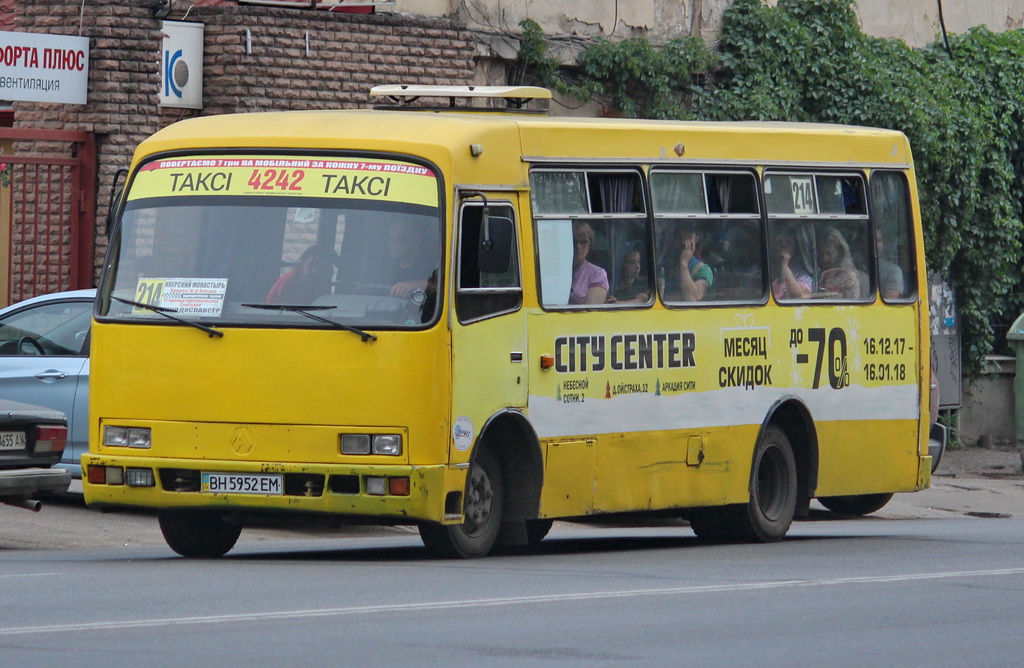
(201, 534)
(482, 514)
(767, 516)
(536, 530)
(860, 504)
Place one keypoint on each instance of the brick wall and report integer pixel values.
(348, 54)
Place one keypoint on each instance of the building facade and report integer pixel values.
(282, 54)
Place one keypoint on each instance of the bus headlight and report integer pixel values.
(355, 444)
(371, 444)
(116, 436)
(387, 444)
(127, 437)
(139, 438)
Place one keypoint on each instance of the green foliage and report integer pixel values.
(642, 80)
(807, 60)
(633, 76)
(533, 57)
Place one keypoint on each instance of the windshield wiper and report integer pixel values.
(304, 309)
(166, 312)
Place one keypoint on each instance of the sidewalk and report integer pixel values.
(973, 482)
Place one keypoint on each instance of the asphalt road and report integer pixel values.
(935, 579)
(928, 592)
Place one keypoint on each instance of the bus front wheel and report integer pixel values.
(481, 516)
(198, 533)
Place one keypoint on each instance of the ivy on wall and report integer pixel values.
(808, 60)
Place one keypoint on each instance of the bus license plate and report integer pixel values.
(243, 483)
(12, 440)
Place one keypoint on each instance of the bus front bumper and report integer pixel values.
(391, 494)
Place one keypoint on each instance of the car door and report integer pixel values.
(44, 360)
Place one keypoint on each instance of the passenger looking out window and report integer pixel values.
(589, 281)
(838, 277)
(792, 280)
(630, 287)
(684, 273)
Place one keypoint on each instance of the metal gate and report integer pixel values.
(47, 236)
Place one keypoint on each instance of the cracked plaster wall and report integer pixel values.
(914, 21)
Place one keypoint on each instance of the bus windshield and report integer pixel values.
(356, 248)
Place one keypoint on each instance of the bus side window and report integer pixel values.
(586, 221)
(819, 236)
(893, 238)
(737, 259)
(708, 239)
(485, 291)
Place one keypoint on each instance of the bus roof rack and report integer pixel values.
(402, 96)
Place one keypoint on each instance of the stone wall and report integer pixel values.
(569, 22)
(348, 54)
(988, 408)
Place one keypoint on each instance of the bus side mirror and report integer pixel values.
(494, 255)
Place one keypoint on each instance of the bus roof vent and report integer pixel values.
(462, 98)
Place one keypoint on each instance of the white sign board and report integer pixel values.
(181, 65)
(44, 68)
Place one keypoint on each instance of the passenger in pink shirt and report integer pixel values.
(589, 281)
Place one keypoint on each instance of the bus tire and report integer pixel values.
(859, 504)
(773, 485)
(202, 534)
(709, 524)
(768, 514)
(482, 515)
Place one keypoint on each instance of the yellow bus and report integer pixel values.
(479, 320)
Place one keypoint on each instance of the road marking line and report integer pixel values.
(495, 602)
(30, 575)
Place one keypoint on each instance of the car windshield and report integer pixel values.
(212, 241)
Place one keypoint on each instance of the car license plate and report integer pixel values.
(12, 440)
(243, 483)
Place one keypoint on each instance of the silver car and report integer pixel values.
(44, 360)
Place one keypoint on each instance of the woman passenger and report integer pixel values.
(589, 281)
(839, 278)
(791, 279)
(630, 288)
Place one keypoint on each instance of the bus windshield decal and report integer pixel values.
(186, 296)
(384, 180)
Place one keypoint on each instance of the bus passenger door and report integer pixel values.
(489, 326)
